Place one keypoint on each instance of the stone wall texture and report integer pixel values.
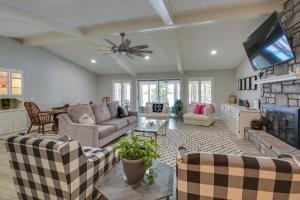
(286, 93)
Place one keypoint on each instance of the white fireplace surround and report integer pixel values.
(281, 78)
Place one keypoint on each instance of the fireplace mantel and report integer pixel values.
(281, 78)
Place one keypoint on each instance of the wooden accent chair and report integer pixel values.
(38, 118)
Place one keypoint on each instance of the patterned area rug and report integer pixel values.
(205, 140)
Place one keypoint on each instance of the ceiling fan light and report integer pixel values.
(213, 52)
(147, 57)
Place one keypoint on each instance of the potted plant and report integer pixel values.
(178, 109)
(137, 156)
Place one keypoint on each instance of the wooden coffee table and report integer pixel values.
(114, 187)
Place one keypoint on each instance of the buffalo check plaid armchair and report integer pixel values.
(50, 169)
(216, 176)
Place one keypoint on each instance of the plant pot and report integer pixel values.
(134, 170)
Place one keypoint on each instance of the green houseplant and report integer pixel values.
(137, 156)
(178, 109)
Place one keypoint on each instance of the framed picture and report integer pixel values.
(249, 83)
(253, 85)
(244, 83)
(239, 84)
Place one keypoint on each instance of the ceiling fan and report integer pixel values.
(125, 49)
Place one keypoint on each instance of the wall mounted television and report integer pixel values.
(268, 44)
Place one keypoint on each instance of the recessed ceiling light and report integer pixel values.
(93, 61)
(147, 57)
(213, 52)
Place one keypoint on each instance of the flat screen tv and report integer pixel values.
(268, 44)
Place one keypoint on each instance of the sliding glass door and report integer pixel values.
(158, 91)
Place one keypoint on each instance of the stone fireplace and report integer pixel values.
(283, 123)
(286, 93)
(281, 100)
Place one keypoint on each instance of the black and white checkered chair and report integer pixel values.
(49, 169)
(216, 176)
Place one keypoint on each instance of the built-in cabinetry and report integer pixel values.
(12, 121)
(12, 112)
(236, 118)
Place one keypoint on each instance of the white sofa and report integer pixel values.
(206, 119)
(164, 114)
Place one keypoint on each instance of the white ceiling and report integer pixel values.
(85, 12)
(188, 45)
(179, 6)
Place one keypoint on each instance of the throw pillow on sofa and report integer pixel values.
(121, 113)
(101, 113)
(125, 109)
(157, 107)
(113, 109)
(199, 109)
(75, 112)
(86, 119)
(207, 110)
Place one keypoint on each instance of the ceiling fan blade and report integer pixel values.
(103, 50)
(127, 43)
(110, 42)
(141, 51)
(144, 46)
(101, 45)
(139, 54)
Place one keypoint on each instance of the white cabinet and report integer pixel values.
(237, 118)
(6, 126)
(12, 121)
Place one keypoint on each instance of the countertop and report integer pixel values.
(241, 108)
(11, 110)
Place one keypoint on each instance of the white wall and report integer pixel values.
(244, 70)
(49, 80)
(224, 84)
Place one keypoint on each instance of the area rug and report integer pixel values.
(205, 140)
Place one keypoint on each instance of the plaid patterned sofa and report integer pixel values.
(216, 176)
(51, 169)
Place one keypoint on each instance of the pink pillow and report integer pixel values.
(197, 109)
(202, 108)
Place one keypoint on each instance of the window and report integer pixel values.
(122, 92)
(200, 90)
(158, 91)
(16, 83)
(11, 82)
(3, 83)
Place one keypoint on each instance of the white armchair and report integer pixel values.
(205, 119)
(164, 114)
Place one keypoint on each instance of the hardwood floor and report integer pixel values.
(7, 188)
